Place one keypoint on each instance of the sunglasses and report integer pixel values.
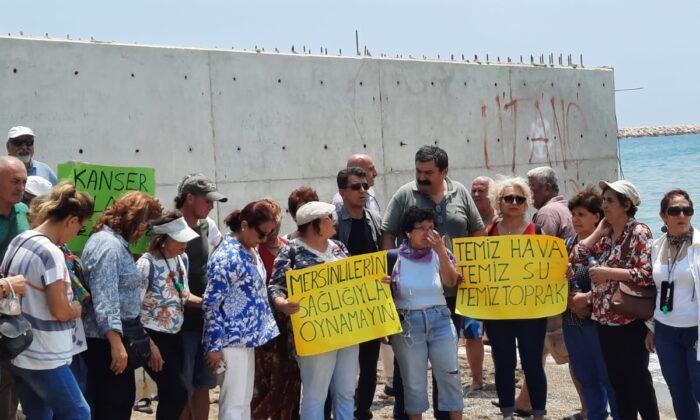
(514, 199)
(261, 233)
(677, 210)
(82, 230)
(356, 186)
(25, 142)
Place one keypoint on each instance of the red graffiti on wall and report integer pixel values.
(549, 130)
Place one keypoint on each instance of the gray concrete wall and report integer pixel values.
(264, 124)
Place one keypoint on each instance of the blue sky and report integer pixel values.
(651, 44)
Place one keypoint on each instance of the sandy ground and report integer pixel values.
(562, 399)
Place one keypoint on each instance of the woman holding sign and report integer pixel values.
(423, 266)
(620, 248)
(676, 259)
(336, 369)
(511, 197)
(237, 315)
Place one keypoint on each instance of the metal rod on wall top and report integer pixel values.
(357, 42)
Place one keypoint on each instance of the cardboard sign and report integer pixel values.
(511, 276)
(342, 303)
(105, 184)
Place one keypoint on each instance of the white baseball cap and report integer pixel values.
(177, 229)
(19, 131)
(37, 185)
(625, 188)
(314, 210)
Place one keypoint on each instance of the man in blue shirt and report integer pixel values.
(20, 144)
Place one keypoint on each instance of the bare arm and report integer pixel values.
(448, 272)
(388, 240)
(60, 307)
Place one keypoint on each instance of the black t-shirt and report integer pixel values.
(360, 239)
(198, 255)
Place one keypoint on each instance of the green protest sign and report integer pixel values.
(105, 184)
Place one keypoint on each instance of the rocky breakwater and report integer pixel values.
(661, 130)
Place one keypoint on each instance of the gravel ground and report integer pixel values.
(562, 399)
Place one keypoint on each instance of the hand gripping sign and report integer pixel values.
(341, 303)
(511, 276)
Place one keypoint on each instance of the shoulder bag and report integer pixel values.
(630, 300)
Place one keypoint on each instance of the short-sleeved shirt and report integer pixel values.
(163, 304)
(42, 263)
(43, 170)
(554, 218)
(12, 225)
(457, 215)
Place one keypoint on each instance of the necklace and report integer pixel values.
(179, 281)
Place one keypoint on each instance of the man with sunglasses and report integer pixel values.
(456, 217)
(195, 198)
(367, 164)
(359, 229)
(20, 144)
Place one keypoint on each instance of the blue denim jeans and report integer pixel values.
(337, 370)
(587, 361)
(50, 394)
(677, 356)
(428, 334)
(529, 335)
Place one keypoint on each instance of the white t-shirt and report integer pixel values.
(42, 263)
(214, 236)
(685, 305)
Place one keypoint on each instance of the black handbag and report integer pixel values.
(136, 342)
(15, 331)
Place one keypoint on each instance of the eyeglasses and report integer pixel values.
(677, 210)
(356, 186)
(262, 234)
(22, 142)
(514, 199)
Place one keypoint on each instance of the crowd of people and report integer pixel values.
(200, 308)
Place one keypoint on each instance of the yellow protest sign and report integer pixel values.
(341, 303)
(511, 276)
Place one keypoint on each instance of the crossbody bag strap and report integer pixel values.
(14, 254)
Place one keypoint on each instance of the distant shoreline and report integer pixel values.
(662, 130)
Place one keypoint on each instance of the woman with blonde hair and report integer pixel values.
(116, 285)
(43, 379)
(511, 198)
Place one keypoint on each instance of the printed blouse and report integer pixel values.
(115, 283)
(236, 308)
(167, 291)
(295, 256)
(609, 254)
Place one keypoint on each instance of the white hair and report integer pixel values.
(545, 175)
(496, 191)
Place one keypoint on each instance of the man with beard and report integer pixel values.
(20, 144)
(457, 217)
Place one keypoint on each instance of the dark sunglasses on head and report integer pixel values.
(23, 142)
(514, 199)
(677, 210)
(261, 233)
(356, 186)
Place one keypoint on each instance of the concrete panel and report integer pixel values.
(264, 124)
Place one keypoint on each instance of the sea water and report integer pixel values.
(656, 165)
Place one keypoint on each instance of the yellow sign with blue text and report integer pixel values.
(511, 276)
(342, 303)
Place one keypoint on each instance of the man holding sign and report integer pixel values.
(334, 302)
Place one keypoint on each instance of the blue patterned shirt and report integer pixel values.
(115, 283)
(236, 309)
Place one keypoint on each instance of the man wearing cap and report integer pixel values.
(359, 229)
(13, 221)
(367, 163)
(195, 198)
(20, 144)
(457, 217)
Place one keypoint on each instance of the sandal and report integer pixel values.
(143, 406)
(577, 416)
